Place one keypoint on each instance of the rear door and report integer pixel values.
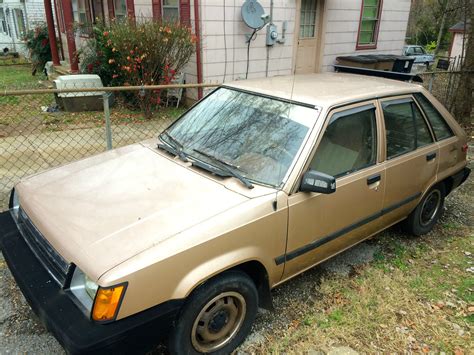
(322, 225)
(412, 157)
(450, 153)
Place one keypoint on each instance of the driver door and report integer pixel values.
(322, 225)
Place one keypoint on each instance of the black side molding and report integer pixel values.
(319, 242)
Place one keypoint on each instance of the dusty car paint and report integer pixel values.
(172, 226)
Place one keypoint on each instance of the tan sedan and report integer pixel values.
(187, 234)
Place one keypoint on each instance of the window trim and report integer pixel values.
(396, 100)
(446, 124)
(355, 108)
(376, 29)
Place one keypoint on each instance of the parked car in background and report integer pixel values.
(420, 55)
(187, 234)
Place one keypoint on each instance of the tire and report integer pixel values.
(423, 218)
(217, 317)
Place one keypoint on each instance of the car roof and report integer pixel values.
(326, 89)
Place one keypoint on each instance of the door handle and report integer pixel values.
(430, 156)
(373, 179)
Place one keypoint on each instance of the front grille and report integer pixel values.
(58, 268)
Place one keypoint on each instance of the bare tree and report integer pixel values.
(463, 93)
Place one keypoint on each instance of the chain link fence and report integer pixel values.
(44, 128)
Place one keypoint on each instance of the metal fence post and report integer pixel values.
(108, 129)
(430, 85)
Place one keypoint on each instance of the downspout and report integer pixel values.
(197, 33)
(268, 47)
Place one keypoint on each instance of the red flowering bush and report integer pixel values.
(139, 53)
(37, 42)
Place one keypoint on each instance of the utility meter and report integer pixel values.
(272, 34)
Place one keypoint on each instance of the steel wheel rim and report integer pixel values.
(430, 207)
(218, 322)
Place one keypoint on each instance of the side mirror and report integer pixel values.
(315, 181)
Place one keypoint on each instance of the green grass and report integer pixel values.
(416, 288)
(18, 76)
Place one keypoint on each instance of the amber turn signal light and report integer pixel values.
(107, 302)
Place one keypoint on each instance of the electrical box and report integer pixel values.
(272, 34)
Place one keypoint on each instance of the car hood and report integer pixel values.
(102, 210)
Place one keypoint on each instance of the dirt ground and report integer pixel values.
(393, 293)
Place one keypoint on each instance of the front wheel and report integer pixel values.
(217, 317)
(426, 214)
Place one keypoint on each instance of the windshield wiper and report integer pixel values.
(176, 146)
(227, 167)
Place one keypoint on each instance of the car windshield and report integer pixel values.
(256, 136)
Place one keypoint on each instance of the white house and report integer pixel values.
(17, 17)
(310, 33)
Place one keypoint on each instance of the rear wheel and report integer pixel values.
(426, 214)
(217, 317)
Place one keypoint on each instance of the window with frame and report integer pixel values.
(3, 23)
(440, 127)
(120, 9)
(20, 22)
(405, 127)
(349, 143)
(307, 19)
(79, 11)
(369, 24)
(170, 10)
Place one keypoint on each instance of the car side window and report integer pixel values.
(349, 142)
(405, 127)
(410, 51)
(439, 125)
(419, 50)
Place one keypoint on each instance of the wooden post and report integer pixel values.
(70, 36)
(51, 32)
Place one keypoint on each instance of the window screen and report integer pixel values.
(348, 144)
(405, 127)
(439, 125)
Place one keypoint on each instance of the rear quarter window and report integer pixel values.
(439, 125)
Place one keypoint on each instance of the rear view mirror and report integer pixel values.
(315, 181)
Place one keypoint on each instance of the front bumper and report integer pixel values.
(57, 311)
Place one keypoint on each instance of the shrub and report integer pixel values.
(139, 53)
(96, 57)
(37, 42)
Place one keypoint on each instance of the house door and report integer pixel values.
(307, 37)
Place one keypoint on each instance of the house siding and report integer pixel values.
(342, 24)
(225, 57)
(33, 14)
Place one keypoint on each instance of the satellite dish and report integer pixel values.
(253, 14)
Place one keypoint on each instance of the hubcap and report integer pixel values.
(430, 207)
(217, 323)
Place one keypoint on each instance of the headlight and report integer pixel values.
(83, 288)
(14, 204)
(101, 303)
